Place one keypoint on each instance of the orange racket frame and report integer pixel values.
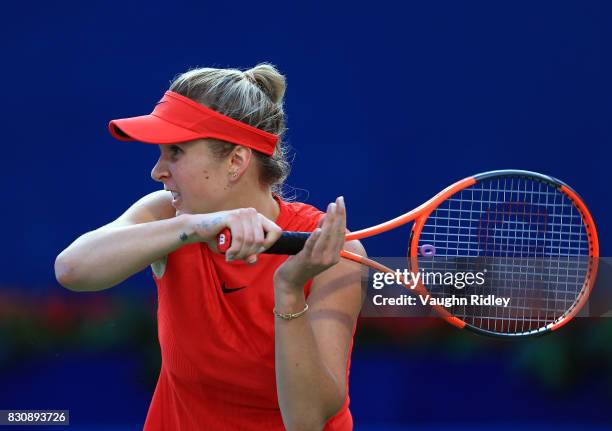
(420, 214)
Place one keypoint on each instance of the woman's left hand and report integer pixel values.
(321, 251)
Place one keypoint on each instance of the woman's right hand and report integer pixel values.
(252, 233)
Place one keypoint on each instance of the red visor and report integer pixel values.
(177, 118)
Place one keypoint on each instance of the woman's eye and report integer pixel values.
(174, 150)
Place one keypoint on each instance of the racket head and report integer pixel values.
(531, 234)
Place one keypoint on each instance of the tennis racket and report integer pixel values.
(531, 233)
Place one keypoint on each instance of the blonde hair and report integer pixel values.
(253, 96)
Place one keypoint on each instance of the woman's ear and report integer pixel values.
(239, 161)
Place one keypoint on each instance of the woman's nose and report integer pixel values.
(159, 171)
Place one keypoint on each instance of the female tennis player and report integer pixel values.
(249, 341)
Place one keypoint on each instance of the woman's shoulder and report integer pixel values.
(300, 216)
(151, 207)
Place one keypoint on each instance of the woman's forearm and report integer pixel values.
(308, 393)
(105, 257)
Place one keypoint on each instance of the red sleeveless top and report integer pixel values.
(216, 332)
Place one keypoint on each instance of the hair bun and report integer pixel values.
(269, 80)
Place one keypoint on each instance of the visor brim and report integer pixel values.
(150, 129)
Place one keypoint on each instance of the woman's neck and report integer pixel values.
(261, 200)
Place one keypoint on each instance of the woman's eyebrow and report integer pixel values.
(168, 146)
(185, 144)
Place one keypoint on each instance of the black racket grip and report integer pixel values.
(289, 243)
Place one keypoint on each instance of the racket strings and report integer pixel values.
(526, 237)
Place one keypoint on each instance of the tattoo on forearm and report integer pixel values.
(207, 224)
(183, 236)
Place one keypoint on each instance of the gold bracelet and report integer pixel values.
(290, 316)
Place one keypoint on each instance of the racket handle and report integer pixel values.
(288, 243)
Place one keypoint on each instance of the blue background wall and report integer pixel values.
(387, 104)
